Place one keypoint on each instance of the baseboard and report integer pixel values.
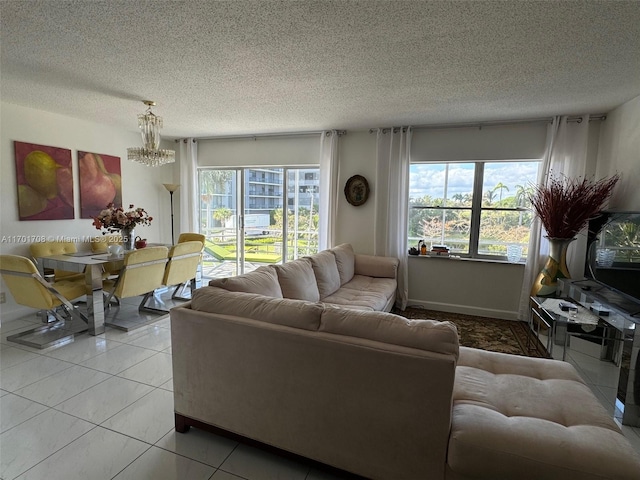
(464, 309)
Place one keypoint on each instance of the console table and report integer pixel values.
(627, 326)
(557, 324)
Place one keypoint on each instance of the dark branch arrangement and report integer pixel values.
(566, 205)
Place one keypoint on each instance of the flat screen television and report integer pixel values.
(613, 259)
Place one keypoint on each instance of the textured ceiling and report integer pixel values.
(225, 68)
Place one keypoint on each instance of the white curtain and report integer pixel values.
(565, 155)
(393, 159)
(188, 190)
(329, 177)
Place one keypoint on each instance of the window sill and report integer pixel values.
(467, 259)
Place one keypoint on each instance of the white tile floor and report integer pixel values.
(102, 408)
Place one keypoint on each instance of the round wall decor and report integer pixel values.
(356, 190)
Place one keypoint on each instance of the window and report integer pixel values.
(476, 209)
(243, 216)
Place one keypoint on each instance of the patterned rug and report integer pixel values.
(504, 336)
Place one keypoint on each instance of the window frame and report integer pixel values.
(242, 192)
(476, 209)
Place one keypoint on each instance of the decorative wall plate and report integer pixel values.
(356, 190)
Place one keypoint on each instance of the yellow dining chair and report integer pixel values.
(191, 237)
(182, 266)
(99, 244)
(28, 288)
(188, 237)
(47, 249)
(141, 274)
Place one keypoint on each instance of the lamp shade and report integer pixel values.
(172, 187)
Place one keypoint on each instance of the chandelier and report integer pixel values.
(150, 154)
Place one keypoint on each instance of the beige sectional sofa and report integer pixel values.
(337, 276)
(303, 357)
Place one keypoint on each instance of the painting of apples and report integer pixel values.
(45, 182)
(100, 182)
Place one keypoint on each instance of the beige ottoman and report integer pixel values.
(528, 418)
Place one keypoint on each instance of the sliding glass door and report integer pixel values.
(243, 216)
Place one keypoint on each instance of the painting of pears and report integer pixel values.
(44, 181)
(100, 182)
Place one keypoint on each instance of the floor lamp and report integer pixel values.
(171, 187)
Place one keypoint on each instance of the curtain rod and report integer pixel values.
(260, 135)
(599, 116)
(571, 118)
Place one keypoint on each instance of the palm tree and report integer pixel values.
(214, 181)
(501, 186)
(222, 214)
(490, 195)
(522, 197)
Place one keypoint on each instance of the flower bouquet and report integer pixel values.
(113, 219)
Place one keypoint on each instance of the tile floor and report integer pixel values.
(102, 408)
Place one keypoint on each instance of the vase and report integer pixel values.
(554, 268)
(128, 238)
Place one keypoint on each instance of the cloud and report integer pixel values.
(429, 178)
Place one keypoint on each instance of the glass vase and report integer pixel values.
(128, 238)
(554, 268)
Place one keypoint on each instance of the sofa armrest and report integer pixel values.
(376, 266)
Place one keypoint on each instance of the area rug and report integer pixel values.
(506, 336)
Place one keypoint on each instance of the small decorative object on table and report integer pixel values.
(114, 219)
(564, 206)
(141, 242)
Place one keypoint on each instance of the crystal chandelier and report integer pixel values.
(150, 154)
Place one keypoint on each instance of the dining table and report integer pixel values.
(92, 265)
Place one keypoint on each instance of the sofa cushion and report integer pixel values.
(431, 335)
(365, 292)
(263, 280)
(376, 266)
(516, 414)
(326, 272)
(297, 280)
(281, 311)
(345, 261)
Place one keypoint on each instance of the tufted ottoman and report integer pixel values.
(528, 418)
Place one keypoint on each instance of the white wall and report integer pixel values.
(355, 225)
(619, 152)
(141, 185)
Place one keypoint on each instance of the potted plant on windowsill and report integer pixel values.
(565, 206)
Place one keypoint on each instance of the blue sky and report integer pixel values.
(429, 178)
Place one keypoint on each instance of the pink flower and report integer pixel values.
(113, 219)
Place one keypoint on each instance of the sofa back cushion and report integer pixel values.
(281, 311)
(297, 280)
(345, 261)
(430, 335)
(326, 272)
(263, 280)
